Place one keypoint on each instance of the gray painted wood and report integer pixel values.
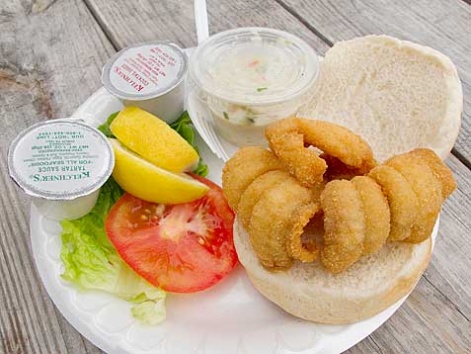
(149, 20)
(50, 60)
(443, 25)
(51, 53)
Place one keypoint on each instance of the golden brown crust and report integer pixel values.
(243, 168)
(273, 220)
(439, 169)
(428, 190)
(344, 225)
(402, 200)
(288, 140)
(255, 190)
(375, 212)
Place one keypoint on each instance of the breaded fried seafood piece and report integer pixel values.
(428, 190)
(402, 200)
(276, 221)
(254, 191)
(290, 139)
(375, 212)
(344, 225)
(439, 169)
(243, 168)
(336, 169)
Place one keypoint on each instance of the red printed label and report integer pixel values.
(146, 70)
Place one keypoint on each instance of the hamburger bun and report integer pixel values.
(396, 94)
(368, 287)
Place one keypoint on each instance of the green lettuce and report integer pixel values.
(182, 126)
(91, 261)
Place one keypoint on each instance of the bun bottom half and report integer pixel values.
(367, 288)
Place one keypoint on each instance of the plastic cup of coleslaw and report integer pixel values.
(61, 164)
(251, 77)
(149, 76)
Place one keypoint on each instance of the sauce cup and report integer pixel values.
(149, 76)
(251, 77)
(61, 164)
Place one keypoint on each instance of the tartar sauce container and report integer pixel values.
(149, 76)
(251, 77)
(61, 164)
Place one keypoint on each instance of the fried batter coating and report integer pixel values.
(376, 213)
(402, 200)
(344, 225)
(336, 169)
(287, 142)
(243, 168)
(274, 219)
(288, 139)
(439, 169)
(254, 191)
(428, 190)
(304, 251)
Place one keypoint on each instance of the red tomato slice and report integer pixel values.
(180, 248)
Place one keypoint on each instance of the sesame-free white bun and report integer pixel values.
(395, 94)
(368, 287)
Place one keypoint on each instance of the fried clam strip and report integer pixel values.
(439, 169)
(336, 169)
(344, 226)
(243, 168)
(402, 200)
(254, 191)
(428, 190)
(300, 248)
(290, 139)
(274, 219)
(376, 214)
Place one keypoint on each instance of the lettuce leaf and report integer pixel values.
(182, 126)
(91, 261)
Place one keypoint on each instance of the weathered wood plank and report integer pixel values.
(129, 22)
(443, 25)
(51, 55)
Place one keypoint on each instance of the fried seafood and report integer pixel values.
(375, 212)
(439, 169)
(275, 217)
(344, 225)
(428, 190)
(301, 246)
(291, 138)
(339, 206)
(254, 191)
(336, 169)
(243, 168)
(402, 201)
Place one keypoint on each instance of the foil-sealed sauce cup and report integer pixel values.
(149, 76)
(61, 164)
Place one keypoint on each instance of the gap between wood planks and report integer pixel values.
(104, 28)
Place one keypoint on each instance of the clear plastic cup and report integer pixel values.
(61, 164)
(251, 77)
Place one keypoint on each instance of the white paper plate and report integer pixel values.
(232, 317)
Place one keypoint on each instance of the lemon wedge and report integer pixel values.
(154, 140)
(149, 182)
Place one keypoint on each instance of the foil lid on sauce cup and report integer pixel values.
(149, 76)
(61, 164)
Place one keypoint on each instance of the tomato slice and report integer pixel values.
(180, 248)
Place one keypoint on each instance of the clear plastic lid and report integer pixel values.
(254, 65)
(145, 71)
(60, 160)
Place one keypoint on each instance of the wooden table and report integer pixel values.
(51, 55)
